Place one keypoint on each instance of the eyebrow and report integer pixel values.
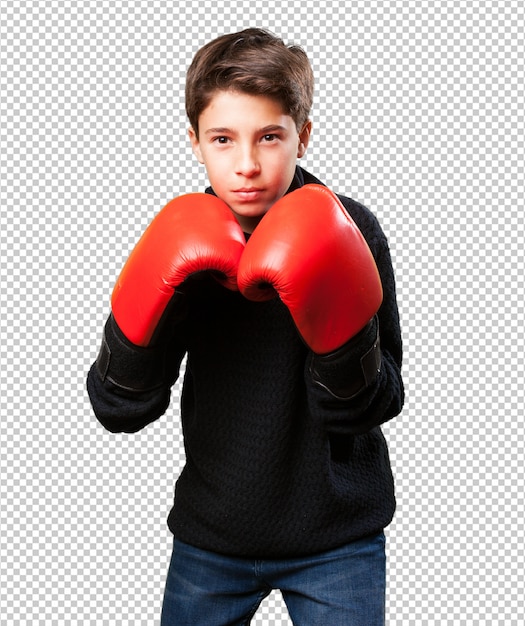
(222, 130)
(217, 131)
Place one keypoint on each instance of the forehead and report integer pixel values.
(238, 109)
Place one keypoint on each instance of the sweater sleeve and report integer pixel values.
(359, 386)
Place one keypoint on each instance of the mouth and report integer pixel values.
(248, 194)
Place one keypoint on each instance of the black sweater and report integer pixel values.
(277, 464)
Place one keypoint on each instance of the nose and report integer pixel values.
(247, 163)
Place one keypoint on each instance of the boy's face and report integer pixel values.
(249, 148)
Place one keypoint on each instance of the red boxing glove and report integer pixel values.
(309, 250)
(192, 233)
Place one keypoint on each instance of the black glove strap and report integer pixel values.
(371, 362)
(325, 369)
(129, 367)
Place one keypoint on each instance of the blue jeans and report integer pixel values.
(345, 586)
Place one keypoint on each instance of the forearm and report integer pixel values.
(128, 385)
(376, 402)
(360, 386)
(120, 411)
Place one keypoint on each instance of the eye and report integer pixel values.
(221, 140)
(270, 137)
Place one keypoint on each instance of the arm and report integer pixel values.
(140, 356)
(310, 251)
(347, 407)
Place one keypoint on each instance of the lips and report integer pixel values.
(248, 194)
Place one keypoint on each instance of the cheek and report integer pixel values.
(220, 180)
(215, 168)
(285, 169)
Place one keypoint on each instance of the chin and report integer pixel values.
(250, 212)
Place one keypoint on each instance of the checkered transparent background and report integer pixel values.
(419, 115)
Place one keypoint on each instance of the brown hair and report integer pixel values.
(255, 62)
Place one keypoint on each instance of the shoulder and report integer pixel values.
(365, 220)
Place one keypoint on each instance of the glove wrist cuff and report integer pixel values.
(126, 365)
(359, 365)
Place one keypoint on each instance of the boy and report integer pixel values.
(287, 483)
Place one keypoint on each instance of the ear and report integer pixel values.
(304, 138)
(195, 144)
